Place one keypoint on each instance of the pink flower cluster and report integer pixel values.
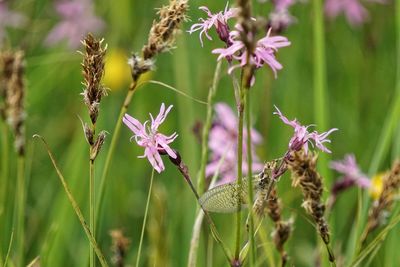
(263, 54)
(302, 137)
(218, 20)
(356, 14)
(77, 19)
(223, 146)
(352, 175)
(147, 136)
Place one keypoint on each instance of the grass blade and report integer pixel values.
(75, 206)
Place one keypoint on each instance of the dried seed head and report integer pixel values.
(305, 176)
(139, 66)
(282, 228)
(119, 247)
(96, 147)
(163, 32)
(93, 71)
(89, 135)
(381, 207)
(12, 89)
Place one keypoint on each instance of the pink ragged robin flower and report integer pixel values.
(219, 21)
(147, 136)
(223, 144)
(352, 175)
(264, 52)
(9, 18)
(302, 137)
(356, 14)
(77, 19)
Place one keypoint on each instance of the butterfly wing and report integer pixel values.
(224, 198)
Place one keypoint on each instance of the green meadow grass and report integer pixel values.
(360, 98)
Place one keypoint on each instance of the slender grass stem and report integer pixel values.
(194, 243)
(75, 206)
(113, 144)
(92, 195)
(206, 128)
(183, 170)
(9, 249)
(20, 210)
(145, 219)
(185, 108)
(4, 182)
(241, 107)
(320, 91)
(250, 181)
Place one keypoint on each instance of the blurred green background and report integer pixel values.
(361, 74)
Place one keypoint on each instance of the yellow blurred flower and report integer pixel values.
(117, 71)
(376, 187)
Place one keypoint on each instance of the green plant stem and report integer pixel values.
(320, 97)
(92, 195)
(206, 128)
(185, 108)
(250, 180)
(4, 183)
(210, 222)
(20, 210)
(194, 243)
(9, 248)
(241, 107)
(75, 206)
(113, 144)
(145, 219)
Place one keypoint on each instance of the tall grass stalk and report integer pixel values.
(185, 107)
(320, 90)
(241, 108)
(20, 210)
(92, 201)
(110, 153)
(253, 255)
(4, 183)
(194, 243)
(74, 204)
(145, 219)
(206, 128)
(185, 173)
(9, 248)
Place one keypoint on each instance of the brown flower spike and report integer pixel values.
(161, 37)
(282, 228)
(305, 175)
(93, 71)
(12, 89)
(162, 33)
